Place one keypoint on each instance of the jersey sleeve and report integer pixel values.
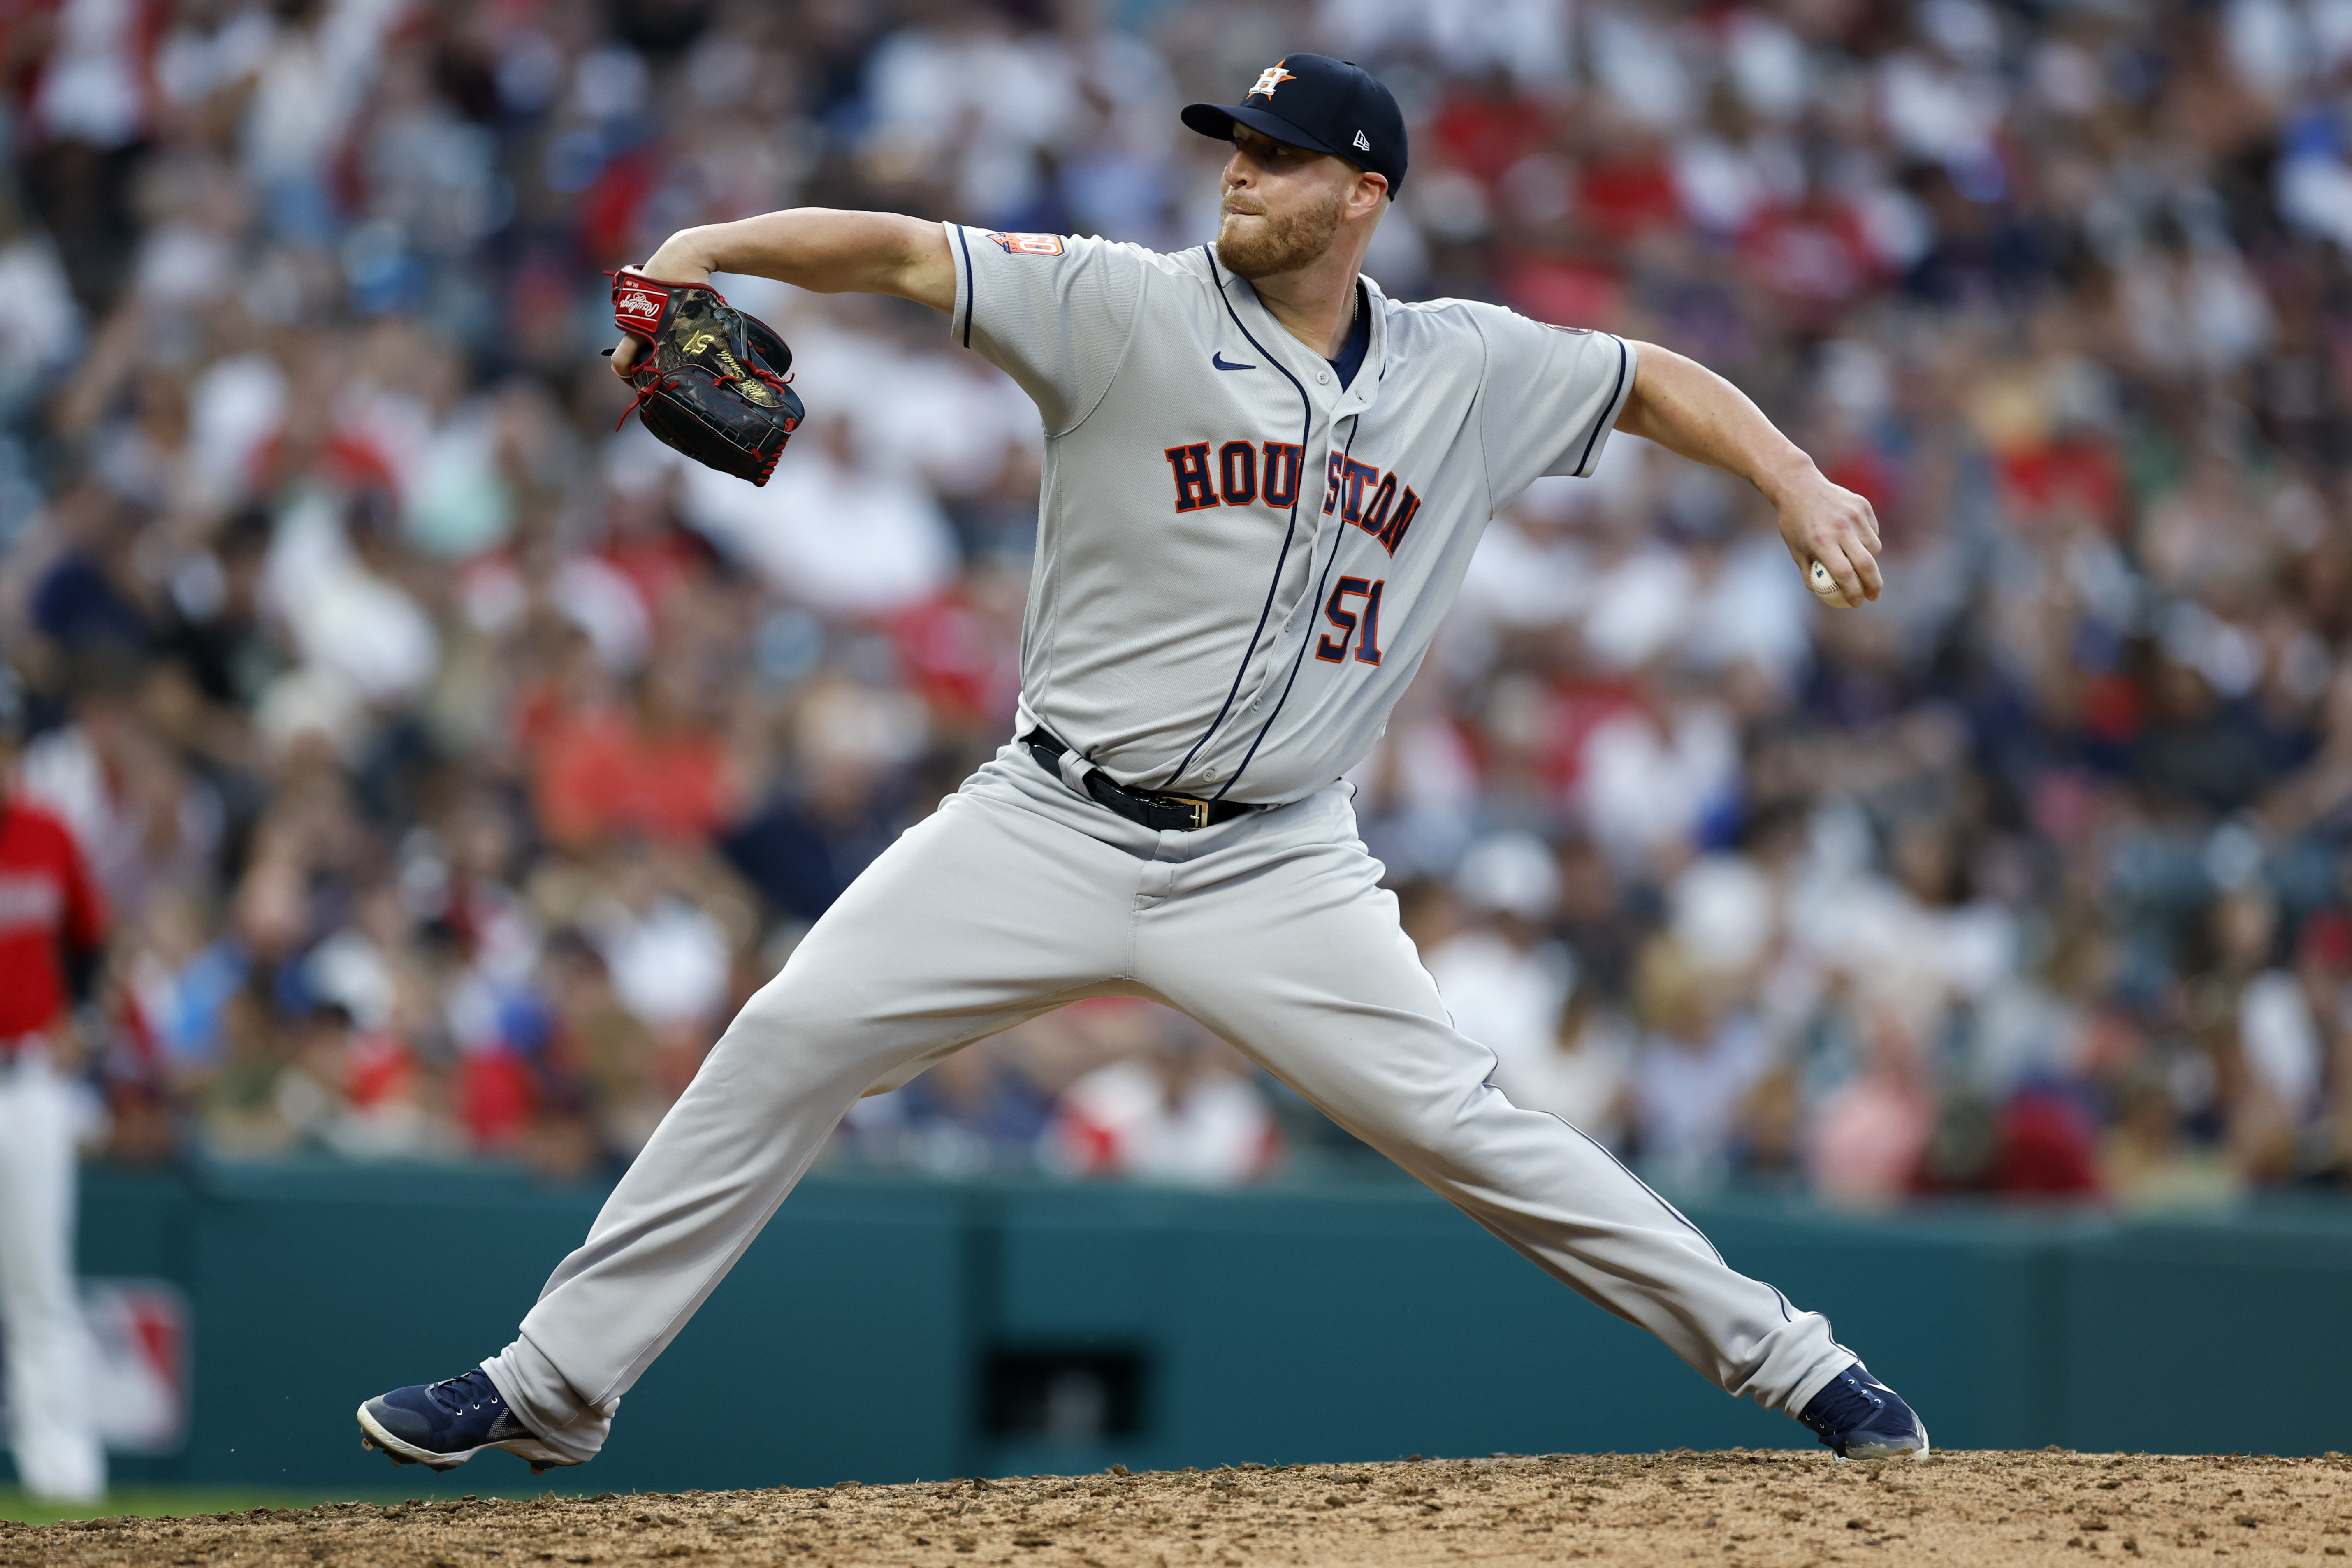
(1052, 311)
(1550, 398)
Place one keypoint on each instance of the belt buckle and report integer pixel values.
(1200, 810)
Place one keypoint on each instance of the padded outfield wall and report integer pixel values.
(891, 1330)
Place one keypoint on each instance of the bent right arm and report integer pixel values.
(821, 250)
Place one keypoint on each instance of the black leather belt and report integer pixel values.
(1146, 808)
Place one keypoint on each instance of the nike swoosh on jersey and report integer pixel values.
(1217, 358)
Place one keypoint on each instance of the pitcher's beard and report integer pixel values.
(1281, 244)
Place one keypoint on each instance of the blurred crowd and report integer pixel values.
(454, 763)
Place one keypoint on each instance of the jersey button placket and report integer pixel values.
(1315, 538)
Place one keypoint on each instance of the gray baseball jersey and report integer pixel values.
(1241, 562)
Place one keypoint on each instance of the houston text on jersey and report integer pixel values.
(1237, 475)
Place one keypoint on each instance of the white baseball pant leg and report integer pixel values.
(50, 1427)
(1020, 895)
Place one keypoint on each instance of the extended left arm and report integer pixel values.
(1689, 410)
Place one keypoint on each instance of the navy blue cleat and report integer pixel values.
(446, 1423)
(1858, 1417)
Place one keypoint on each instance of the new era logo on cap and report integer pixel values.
(1363, 140)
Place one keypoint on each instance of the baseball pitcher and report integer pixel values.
(1263, 480)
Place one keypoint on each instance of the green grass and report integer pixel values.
(153, 1500)
(156, 1501)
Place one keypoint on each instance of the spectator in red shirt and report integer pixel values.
(657, 768)
(51, 926)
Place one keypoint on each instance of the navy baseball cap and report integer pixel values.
(1321, 104)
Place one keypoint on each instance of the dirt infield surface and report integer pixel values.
(2012, 1510)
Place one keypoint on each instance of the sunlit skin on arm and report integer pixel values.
(1691, 411)
(815, 249)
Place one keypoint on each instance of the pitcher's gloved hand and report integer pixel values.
(710, 379)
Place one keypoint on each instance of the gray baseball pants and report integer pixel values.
(1019, 895)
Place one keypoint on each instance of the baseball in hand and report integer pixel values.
(1825, 588)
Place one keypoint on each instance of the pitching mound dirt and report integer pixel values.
(2011, 1509)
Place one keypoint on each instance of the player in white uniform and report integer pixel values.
(52, 936)
(1263, 480)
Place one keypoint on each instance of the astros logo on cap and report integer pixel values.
(1268, 79)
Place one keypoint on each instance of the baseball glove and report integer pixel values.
(712, 380)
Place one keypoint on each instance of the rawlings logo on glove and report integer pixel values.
(637, 310)
(712, 381)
